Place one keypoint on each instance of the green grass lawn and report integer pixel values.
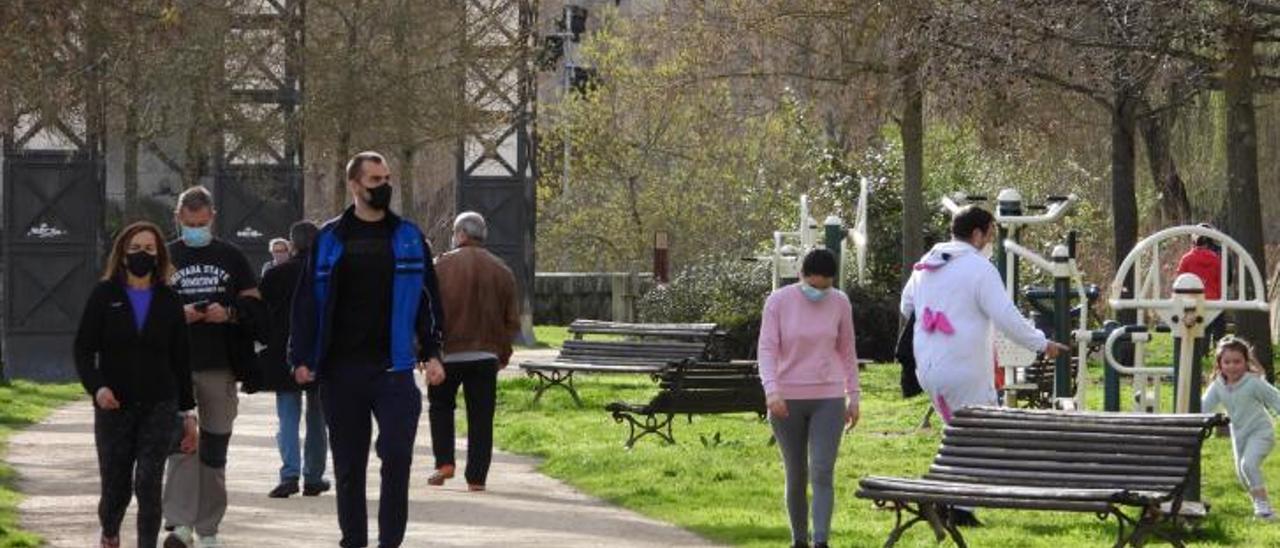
(23, 404)
(731, 491)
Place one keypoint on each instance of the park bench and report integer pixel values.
(692, 388)
(1101, 463)
(645, 349)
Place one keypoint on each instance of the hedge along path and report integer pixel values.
(57, 471)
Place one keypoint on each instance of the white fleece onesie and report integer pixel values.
(955, 356)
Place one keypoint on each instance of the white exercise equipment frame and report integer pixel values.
(1186, 310)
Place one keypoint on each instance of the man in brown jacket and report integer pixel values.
(481, 318)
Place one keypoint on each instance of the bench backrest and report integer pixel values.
(702, 387)
(673, 331)
(630, 352)
(994, 445)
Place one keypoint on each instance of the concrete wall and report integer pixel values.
(561, 297)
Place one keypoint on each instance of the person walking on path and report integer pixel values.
(131, 353)
(809, 369)
(278, 285)
(281, 250)
(220, 291)
(481, 318)
(368, 310)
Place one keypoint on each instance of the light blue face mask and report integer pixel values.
(196, 236)
(812, 293)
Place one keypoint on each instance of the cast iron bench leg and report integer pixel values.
(898, 526)
(555, 378)
(651, 425)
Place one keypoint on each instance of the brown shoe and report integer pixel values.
(441, 474)
(475, 487)
(110, 542)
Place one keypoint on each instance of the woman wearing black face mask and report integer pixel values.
(131, 354)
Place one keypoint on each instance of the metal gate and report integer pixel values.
(53, 211)
(256, 204)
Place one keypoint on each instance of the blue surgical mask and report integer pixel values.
(812, 293)
(196, 236)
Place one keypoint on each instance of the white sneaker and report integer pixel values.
(209, 542)
(181, 537)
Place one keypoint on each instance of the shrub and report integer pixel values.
(731, 293)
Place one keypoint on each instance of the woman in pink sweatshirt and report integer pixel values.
(810, 374)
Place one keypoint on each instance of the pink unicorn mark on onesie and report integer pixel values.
(937, 321)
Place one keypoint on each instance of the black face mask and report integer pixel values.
(140, 263)
(380, 197)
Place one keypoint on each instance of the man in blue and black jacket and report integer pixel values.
(366, 312)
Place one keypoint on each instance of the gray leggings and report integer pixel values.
(809, 439)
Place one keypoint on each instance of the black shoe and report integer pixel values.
(286, 488)
(820, 545)
(799, 545)
(314, 489)
(964, 518)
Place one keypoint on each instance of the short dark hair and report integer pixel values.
(195, 198)
(1204, 241)
(301, 235)
(355, 166)
(819, 262)
(968, 219)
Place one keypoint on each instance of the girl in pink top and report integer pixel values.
(810, 374)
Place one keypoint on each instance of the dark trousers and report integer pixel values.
(351, 394)
(479, 382)
(133, 443)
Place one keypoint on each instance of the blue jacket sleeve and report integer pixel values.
(304, 318)
(430, 321)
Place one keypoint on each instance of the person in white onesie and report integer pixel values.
(957, 296)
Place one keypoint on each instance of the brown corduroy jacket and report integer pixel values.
(481, 310)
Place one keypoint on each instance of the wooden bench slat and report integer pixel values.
(1102, 484)
(989, 502)
(1034, 454)
(953, 432)
(883, 483)
(590, 368)
(1202, 421)
(630, 345)
(1070, 446)
(1014, 424)
(1058, 478)
(1052, 466)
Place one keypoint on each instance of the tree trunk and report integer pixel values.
(1124, 202)
(346, 119)
(912, 127)
(131, 146)
(408, 203)
(1175, 207)
(1244, 208)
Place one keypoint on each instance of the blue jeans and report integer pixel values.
(289, 410)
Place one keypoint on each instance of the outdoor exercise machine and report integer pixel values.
(1012, 216)
(790, 247)
(1184, 312)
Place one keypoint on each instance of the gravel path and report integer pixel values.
(57, 471)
